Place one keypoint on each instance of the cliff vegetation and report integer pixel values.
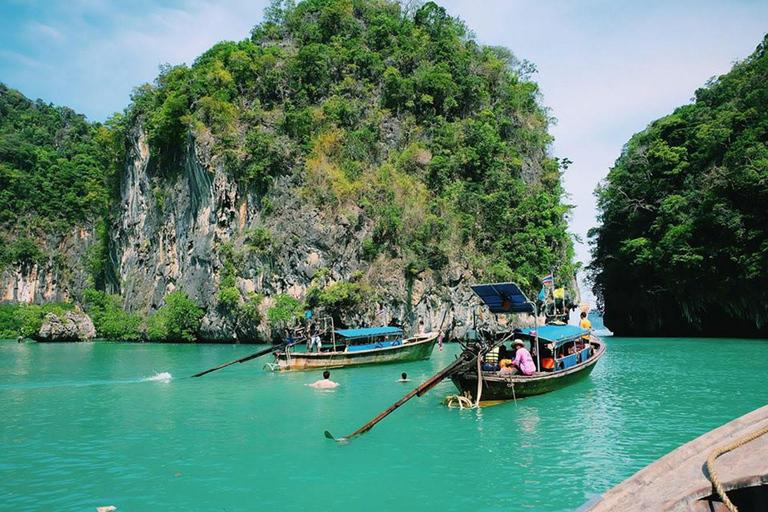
(682, 246)
(349, 155)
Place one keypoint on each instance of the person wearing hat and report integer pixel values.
(523, 361)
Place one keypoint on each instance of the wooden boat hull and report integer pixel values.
(680, 481)
(416, 348)
(510, 387)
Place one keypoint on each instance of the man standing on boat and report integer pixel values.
(314, 338)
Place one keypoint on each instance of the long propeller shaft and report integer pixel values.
(260, 353)
(419, 391)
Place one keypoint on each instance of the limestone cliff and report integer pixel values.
(158, 249)
(356, 156)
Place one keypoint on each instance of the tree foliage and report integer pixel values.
(284, 310)
(177, 320)
(110, 320)
(56, 168)
(400, 111)
(682, 245)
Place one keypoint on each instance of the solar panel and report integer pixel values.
(503, 298)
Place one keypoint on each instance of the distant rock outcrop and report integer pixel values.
(72, 326)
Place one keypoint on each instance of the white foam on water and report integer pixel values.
(164, 376)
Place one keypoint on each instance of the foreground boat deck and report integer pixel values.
(679, 481)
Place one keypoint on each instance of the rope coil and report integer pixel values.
(460, 401)
(720, 451)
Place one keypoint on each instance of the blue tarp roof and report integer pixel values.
(503, 298)
(371, 331)
(557, 333)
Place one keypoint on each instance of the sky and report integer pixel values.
(606, 68)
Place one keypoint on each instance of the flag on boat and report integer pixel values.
(380, 312)
(559, 293)
(543, 294)
(548, 279)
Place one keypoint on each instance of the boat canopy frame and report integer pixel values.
(369, 332)
(557, 334)
(508, 298)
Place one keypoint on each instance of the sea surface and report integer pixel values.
(96, 424)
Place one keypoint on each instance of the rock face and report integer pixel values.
(170, 233)
(62, 277)
(73, 326)
(160, 245)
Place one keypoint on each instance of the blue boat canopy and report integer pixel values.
(556, 333)
(503, 298)
(369, 332)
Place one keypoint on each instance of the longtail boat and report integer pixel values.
(724, 469)
(358, 347)
(562, 354)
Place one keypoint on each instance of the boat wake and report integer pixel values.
(163, 377)
(157, 377)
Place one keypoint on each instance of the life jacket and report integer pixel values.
(492, 356)
(506, 363)
(547, 363)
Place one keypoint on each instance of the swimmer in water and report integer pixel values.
(325, 382)
(404, 378)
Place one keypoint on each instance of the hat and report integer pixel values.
(518, 342)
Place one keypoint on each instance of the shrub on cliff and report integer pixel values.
(10, 323)
(339, 299)
(283, 311)
(177, 320)
(111, 321)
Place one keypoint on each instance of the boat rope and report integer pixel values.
(462, 401)
(479, 381)
(724, 449)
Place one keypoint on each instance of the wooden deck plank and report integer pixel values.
(679, 479)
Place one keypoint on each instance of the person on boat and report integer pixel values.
(314, 338)
(325, 382)
(584, 323)
(404, 377)
(523, 361)
(491, 359)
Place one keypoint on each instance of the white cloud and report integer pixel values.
(35, 30)
(22, 60)
(111, 48)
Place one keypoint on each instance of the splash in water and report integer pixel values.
(164, 376)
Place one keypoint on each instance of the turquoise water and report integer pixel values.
(80, 427)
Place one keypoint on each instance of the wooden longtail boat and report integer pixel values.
(684, 478)
(556, 340)
(562, 354)
(358, 347)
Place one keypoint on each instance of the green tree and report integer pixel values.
(177, 320)
(681, 247)
(284, 310)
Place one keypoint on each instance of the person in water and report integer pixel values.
(523, 361)
(404, 377)
(325, 382)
